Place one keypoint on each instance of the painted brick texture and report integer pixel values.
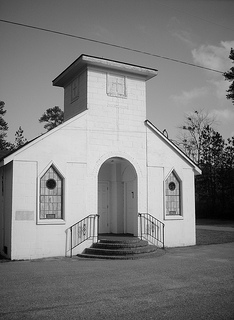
(116, 122)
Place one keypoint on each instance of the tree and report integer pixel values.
(227, 177)
(211, 154)
(4, 145)
(20, 140)
(52, 118)
(190, 138)
(215, 187)
(229, 75)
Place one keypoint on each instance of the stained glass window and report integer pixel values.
(173, 201)
(51, 195)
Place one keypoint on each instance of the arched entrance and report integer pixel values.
(117, 197)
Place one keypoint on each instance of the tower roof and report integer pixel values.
(84, 61)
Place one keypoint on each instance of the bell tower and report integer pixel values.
(106, 88)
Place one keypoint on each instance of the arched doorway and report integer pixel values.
(117, 197)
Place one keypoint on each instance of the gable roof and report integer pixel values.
(9, 156)
(149, 124)
(7, 153)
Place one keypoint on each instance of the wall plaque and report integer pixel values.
(24, 215)
(116, 86)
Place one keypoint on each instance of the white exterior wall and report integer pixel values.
(161, 160)
(110, 127)
(116, 129)
(6, 176)
(30, 237)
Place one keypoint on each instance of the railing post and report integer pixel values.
(97, 226)
(153, 228)
(71, 244)
(140, 224)
(163, 236)
(93, 218)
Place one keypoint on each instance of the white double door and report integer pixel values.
(117, 211)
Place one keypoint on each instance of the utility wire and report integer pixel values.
(108, 44)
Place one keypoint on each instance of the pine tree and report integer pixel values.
(52, 118)
(20, 140)
(4, 145)
(229, 75)
(215, 187)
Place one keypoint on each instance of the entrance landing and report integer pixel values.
(117, 236)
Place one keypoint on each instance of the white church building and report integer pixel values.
(106, 167)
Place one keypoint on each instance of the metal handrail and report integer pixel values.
(85, 229)
(151, 229)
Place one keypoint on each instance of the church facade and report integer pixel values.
(105, 159)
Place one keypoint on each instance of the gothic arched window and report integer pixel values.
(173, 195)
(51, 195)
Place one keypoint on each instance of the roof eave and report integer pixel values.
(11, 156)
(197, 170)
(90, 61)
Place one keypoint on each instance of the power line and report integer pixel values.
(109, 44)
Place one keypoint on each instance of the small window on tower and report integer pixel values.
(74, 89)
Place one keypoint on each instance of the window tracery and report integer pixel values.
(51, 195)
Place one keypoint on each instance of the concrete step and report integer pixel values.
(120, 251)
(156, 253)
(119, 247)
(115, 244)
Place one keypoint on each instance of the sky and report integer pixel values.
(197, 32)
